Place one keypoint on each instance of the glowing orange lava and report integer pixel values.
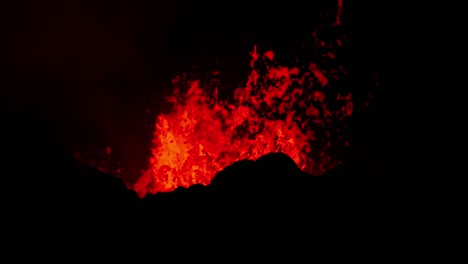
(279, 109)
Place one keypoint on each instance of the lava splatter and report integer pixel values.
(280, 109)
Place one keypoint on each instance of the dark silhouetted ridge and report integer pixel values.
(270, 194)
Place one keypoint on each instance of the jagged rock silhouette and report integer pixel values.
(56, 191)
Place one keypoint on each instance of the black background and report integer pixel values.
(94, 73)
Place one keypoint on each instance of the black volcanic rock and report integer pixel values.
(48, 194)
(272, 162)
(278, 173)
(272, 176)
(236, 177)
(47, 185)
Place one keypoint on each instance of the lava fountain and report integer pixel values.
(293, 110)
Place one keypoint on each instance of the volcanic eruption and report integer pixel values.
(300, 105)
(284, 148)
(298, 110)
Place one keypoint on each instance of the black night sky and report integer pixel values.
(96, 72)
(85, 75)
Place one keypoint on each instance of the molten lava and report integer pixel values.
(280, 109)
